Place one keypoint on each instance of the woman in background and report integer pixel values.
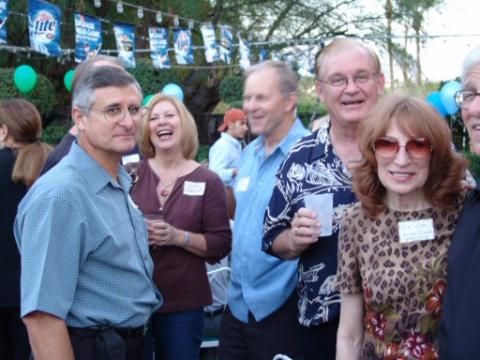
(393, 243)
(186, 211)
(22, 156)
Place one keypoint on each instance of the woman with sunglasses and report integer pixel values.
(393, 242)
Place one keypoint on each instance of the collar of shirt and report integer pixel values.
(230, 139)
(296, 131)
(95, 174)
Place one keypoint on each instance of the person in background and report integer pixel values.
(63, 147)
(186, 211)
(392, 254)
(224, 155)
(21, 158)
(260, 319)
(86, 284)
(460, 326)
(349, 81)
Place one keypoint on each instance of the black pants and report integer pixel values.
(84, 345)
(13, 335)
(319, 342)
(259, 340)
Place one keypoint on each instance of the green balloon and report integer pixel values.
(147, 99)
(25, 78)
(67, 79)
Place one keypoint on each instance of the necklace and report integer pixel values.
(165, 187)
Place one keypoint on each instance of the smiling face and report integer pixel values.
(238, 129)
(349, 104)
(402, 176)
(265, 104)
(165, 127)
(471, 114)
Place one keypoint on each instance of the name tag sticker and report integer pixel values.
(242, 184)
(191, 188)
(133, 158)
(416, 230)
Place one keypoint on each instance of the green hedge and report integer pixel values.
(152, 80)
(42, 95)
(474, 164)
(231, 90)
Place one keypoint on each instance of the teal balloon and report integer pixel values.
(447, 94)
(25, 78)
(435, 99)
(173, 90)
(147, 99)
(67, 79)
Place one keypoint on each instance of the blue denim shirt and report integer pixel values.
(84, 247)
(260, 283)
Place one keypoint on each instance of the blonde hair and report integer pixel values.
(189, 141)
(24, 125)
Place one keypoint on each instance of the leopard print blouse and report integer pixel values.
(402, 283)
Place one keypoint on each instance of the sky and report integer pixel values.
(442, 57)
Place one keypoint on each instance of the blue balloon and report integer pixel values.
(447, 94)
(173, 90)
(434, 99)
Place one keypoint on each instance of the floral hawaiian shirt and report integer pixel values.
(311, 167)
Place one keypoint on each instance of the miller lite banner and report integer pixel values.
(88, 36)
(244, 52)
(125, 38)
(159, 46)
(44, 27)
(3, 21)
(211, 46)
(226, 41)
(182, 39)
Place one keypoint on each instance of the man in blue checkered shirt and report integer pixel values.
(86, 282)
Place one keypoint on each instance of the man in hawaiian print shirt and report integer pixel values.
(349, 81)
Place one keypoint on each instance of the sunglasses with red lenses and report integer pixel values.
(418, 148)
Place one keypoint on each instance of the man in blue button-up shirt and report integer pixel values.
(86, 271)
(260, 320)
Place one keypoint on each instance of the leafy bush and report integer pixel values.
(307, 109)
(231, 89)
(54, 132)
(152, 80)
(474, 164)
(42, 95)
(202, 154)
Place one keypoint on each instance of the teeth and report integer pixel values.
(164, 132)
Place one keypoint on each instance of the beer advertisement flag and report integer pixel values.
(125, 38)
(88, 36)
(244, 52)
(159, 46)
(182, 39)
(226, 41)
(263, 54)
(44, 27)
(3, 21)
(211, 46)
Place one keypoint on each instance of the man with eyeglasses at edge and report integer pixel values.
(349, 81)
(459, 335)
(86, 281)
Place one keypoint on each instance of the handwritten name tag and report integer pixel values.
(416, 230)
(191, 188)
(242, 184)
(133, 158)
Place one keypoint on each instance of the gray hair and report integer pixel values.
(99, 77)
(87, 63)
(287, 78)
(472, 59)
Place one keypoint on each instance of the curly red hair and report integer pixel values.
(416, 119)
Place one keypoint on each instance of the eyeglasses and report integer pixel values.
(418, 148)
(464, 98)
(340, 81)
(116, 113)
